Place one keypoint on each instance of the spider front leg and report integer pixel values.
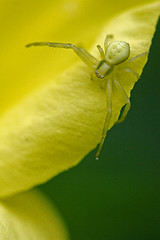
(85, 56)
(128, 103)
(108, 116)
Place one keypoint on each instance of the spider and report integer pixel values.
(113, 54)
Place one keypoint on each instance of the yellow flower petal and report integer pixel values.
(30, 216)
(59, 20)
(58, 125)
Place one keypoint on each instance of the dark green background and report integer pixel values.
(118, 197)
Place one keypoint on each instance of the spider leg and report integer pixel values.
(133, 59)
(109, 36)
(128, 103)
(132, 72)
(87, 54)
(138, 56)
(108, 116)
(82, 53)
(101, 52)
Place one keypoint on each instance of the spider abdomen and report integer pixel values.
(117, 52)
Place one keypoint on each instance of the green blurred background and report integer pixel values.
(118, 197)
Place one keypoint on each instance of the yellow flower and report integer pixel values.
(51, 117)
(58, 123)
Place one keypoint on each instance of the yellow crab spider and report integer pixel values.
(113, 54)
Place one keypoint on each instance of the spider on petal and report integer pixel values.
(113, 54)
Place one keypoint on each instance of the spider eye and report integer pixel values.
(117, 52)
